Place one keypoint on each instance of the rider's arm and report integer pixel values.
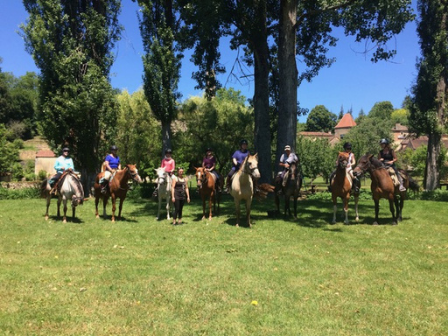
(393, 155)
(234, 161)
(58, 165)
(106, 163)
(379, 157)
(187, 191)
(173, 184)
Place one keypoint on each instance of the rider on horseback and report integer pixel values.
(237, 159)
(286, 160)
(388, 157)
(350, 164)
(111, 163)
(209, 163)
(168, 163)
(63, 163)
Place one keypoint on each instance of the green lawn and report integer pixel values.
(140, 276)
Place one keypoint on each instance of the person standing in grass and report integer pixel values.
(179, 194)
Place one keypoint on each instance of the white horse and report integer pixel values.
(242, 185)
(71, 189)
(163, 190)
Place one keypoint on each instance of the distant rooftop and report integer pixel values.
(347, 121)
(45, 153)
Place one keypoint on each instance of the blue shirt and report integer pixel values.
(63, 163)
(239, 156)
(113, 161)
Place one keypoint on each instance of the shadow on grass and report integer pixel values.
(75, 220)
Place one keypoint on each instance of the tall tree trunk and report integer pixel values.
(288, 77)
(261, 98)
(166, 137)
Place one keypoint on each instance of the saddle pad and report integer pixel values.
(393, 176)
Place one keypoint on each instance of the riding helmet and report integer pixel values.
(384, 141)
(287, 147)
(113, 147)
(242, 142)
(347, 145)
(208, 150)
(65, 149)
(168, 151)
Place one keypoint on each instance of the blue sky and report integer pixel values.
(352, 82)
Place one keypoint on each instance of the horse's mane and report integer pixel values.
(241, 168)
(77, 185)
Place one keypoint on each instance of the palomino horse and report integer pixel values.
(206, 185)
(118, 188)
(163, 191)
(242, 187)
(341, 186)
(382, 186)
(292, 188)
(70, 189)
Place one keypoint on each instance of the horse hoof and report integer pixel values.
(394, 223)
(375, 223)
(210, 218)
(237, 225)
(64, 221)
(357, 219)
(46, 217)
(97, 216)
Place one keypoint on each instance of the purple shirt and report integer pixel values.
(240, 156)
(209, 162)
(113, 161)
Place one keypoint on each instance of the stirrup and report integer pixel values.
(401, 188)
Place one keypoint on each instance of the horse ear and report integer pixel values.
(256, 155)
(370, 156)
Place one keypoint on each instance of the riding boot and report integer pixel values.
(104, 186)
(356, 184)
(285, 179)
(228, 184)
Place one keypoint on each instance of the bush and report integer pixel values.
(42, 175)
(26, 193)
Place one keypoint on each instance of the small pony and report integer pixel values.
(206, 182)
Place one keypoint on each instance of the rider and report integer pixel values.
(63, 163)
(388, 157)
(168, 162)
(286, 160)
(350, 164)
(237, 159)
(209, 163)
(111, 163)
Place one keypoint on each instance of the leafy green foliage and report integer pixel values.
(321, 120)
(9, 152)
(71, 44)
(316, 157)
(400, 116)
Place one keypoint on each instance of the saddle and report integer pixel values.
(57, 186)
(394, 177)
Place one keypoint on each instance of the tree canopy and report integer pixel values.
(321, 120)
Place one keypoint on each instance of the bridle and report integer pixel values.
(203, 179)
(248, 169)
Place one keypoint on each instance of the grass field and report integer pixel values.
(140, 276)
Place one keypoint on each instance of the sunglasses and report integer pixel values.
(349, 148)
(66, 151)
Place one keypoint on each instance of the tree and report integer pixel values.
(429, 100)
(382, 110)
(161, 63)
(400, 116)
(9, 152)
(5, 99)
(320, 120)
(71, 43)
(361, 117)
(305, 32)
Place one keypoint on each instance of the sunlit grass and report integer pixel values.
(140, 276)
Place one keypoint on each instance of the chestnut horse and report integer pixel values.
(118, 188)
(292, 188)
(341, 186)
(70, 190)
(206, 182)
(242, 187)
(382, 186)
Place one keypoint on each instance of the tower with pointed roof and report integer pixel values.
(344, 125)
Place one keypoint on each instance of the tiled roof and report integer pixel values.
(347, 121)
(45, 153)
(399, 128)
(317, 134)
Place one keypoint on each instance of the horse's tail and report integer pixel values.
(413, 185)
(44, 191)
(263, 190)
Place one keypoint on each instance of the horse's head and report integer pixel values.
(133, 172)
(161, 175)
(364, 164)
(343, 160)
(251, 166)
(77, 200)
(201, 177)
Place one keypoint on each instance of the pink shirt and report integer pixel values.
(168, 164)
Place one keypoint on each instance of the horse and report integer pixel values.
(163, 191)
(292, 188)
(242, 186)
(383, 187)
(70, 188)
(206, 185)
(341, 186)
(118, 188)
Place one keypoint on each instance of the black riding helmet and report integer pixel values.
(168, 151)
(208, 150)
(384, 141)
(113, 148)
(242, 142)
(65, 149)
(347, 145)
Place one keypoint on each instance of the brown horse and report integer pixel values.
(206, 182)
(118, 188)
(242, 187)
(341, 186)
(292, 188)
(382, 186)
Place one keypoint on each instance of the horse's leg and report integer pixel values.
(105, 200)
(160, 205)
(73, 212)
(346, 199)
(277, 202)
(248, 204)
(59, 206)
(237, 206)
(203, 205)
(168, 201)
(48, 205)
(114, 207)
(399, 214)
(97, 200)
(64, 219)
(296, 196)
(356, 206)
(210, 201)
(393, 205)
(335, 208)
(120, 207)
(287, 197)
(377, 210)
